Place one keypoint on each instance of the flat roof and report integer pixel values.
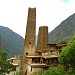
(50, 49)
(38, 64)
(14, 58)
(37, 56)
(15, 64)
(50, 56)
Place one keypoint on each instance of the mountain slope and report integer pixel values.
(64, 30)
(12, 43)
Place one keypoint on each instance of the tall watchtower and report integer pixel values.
(42, 38)
(29, 43)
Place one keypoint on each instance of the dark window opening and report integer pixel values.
(39, 53)
(51, 52)
(29, 42)
(26, 53)
(31, 69)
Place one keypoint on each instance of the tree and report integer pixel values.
(59, 70)
(66, 58)
(63, 41)
(3, 55)
(67, 55)
(5, 66)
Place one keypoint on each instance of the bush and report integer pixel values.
(59, 70)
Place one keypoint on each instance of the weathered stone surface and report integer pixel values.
(42, 38)
(29, 43)
(43, 55)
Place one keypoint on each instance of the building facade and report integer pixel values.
(41, 56)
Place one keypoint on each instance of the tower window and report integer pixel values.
(26, 53)
(29, 42)
(31, 68)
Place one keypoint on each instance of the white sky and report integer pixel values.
(13, 13)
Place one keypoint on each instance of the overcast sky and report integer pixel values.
(13, 13)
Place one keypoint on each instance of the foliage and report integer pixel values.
(63, 42)
(3, 55)
(66, 59)
(18, 73)
(59, 70)
(34, 73)
(67, 55)
(5, 66)
(41, 72)
(73, 38)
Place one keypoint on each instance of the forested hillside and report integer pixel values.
(12, 43)
(64, 30)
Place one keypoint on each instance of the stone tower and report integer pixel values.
(29, 43)
(42, 38)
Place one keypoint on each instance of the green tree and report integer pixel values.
(59, 70)
(5, 66)
(63, 41)
(67, 55)
(66, 58)
(3, 55)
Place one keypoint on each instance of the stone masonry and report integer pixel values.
(42, 38)
(41, 56)
(29, 43)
